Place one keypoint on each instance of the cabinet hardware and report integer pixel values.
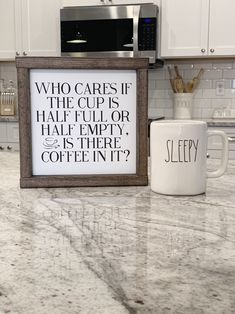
(231, 139)
(102, 1)
(17, 53)
(212, 50)
(203, 50)
(1, 148)
(24, 53)
(9, 147)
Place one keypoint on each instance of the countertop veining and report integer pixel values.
(115, 250)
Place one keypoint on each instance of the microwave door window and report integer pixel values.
(97, 35)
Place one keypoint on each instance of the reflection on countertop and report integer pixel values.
(116, 249)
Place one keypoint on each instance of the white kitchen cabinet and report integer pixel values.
(215, 144)
(29, 28)
(10, 28)
(3, 131)
(41, 27)
(132, 1)
(193, 28)
(9, 136)
(68, 3)
(222, 24)
(76, 3)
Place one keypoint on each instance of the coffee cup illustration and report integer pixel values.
(50, 142)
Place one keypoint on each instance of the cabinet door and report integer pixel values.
(69, 3)
(222, 24)
(12, 132)
(184, 30)
(132, 1)
(75, 3)
(3, 132)
(41, 27)
(10, 28)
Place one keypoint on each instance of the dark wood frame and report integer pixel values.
(27, 179)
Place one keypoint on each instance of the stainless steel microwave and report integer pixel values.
(110, 31)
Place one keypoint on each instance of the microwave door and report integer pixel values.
(98, 36)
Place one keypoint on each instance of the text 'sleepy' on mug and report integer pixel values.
(178, 154)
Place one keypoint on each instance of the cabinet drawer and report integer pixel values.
(8, 147)
(3, 132)
(13, 132)
(9, 136)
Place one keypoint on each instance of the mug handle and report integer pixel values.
(224, 160)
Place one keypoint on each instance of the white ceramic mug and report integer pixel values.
(178, 153)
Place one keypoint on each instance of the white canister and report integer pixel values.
(183, 106)
(178, 153)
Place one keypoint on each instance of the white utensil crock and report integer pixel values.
(182, 106)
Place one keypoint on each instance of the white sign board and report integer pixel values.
(83, 121)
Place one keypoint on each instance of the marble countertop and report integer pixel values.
(9, 119)
(115, 250)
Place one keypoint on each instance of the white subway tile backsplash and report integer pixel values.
(221, 103)
(162, 103)
(201, 103)
(197, 113)
(190, 74)
(156, 112)
(163, 84)
(229, 93)
(8, 72)
(213, 74)
(157, 74)
(232, 104)
(198, 93)
(227, 83)
(207, 113)
(205, 65)
(203, 84)
(169, 93)
(161, 94)
(205, 99)
(222, 65)
(152, 84)
(229, 74)
(208, 93)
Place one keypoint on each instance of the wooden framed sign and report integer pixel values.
(83, 122)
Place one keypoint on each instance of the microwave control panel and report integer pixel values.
(147, 34)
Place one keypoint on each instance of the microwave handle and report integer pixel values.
(136, 17)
